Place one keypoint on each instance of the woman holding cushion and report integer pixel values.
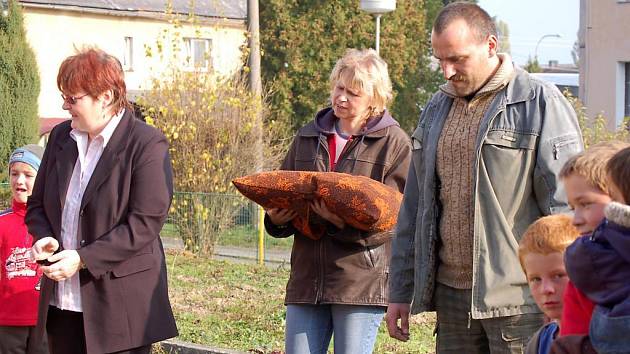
(338, 283)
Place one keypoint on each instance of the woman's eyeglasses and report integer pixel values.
(72, 99)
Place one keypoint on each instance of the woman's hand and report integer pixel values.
(321, 209)
(65, 264)
(280, 216)
(44, 248)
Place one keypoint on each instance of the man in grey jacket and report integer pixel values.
(486, 155)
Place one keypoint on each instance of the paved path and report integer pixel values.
(273, 257)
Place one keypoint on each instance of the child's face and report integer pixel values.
(22, 177)
(547, 279)
(587, 202)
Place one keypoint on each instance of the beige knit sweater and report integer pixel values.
(455, 161)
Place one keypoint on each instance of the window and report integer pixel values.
(622, 92)
(127, 61)
(198, 53)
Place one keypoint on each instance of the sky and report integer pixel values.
(529, 20)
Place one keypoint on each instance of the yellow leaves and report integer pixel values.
(209, 123)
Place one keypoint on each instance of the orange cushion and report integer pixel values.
(360, 201)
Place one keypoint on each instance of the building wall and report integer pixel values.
(54, 34)
(606, 30)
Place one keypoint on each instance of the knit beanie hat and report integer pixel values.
(30, 154)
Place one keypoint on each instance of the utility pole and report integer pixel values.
(254, 47)
(255, 85)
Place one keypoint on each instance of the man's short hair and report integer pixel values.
(476, 18)
(591, 163)
(549, 234)
(618, 169)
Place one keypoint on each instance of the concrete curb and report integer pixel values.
(173, 346)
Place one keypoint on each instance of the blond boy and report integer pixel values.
(541, 253)
(585, 181)
(599, 264)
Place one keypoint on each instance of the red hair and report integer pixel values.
(94, 72)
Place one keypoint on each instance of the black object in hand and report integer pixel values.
(44, 262)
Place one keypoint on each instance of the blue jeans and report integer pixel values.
(310, 327)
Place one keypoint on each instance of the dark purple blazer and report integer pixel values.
(124, 287)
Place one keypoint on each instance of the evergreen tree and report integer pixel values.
(302, 40)
(19, 86)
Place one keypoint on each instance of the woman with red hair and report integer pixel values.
(102, 195)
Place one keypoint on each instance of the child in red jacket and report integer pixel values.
(19, 274)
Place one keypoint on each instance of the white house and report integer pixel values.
(126, 28)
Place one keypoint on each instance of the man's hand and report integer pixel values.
(65, 264)
(321, 209)
(280, 216)
(44, 248)
(397, 311)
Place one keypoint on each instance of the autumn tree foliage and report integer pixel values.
(302, 40)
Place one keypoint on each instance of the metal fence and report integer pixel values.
(229, 220)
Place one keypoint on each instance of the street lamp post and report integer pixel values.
(540, 40)
(377, 8)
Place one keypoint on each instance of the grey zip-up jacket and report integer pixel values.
(526, 135)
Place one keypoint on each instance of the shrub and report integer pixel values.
(217, 131)
(209, 123)
(595, 129)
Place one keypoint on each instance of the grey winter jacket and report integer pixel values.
(526, 135)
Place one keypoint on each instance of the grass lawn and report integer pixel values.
(240, 306)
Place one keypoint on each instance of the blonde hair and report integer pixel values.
(591, 164)
(364, 70)
(549, 234)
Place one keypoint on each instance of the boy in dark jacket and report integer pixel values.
(19, 274)
(541, 252)
(599, 264)
(588, 192)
